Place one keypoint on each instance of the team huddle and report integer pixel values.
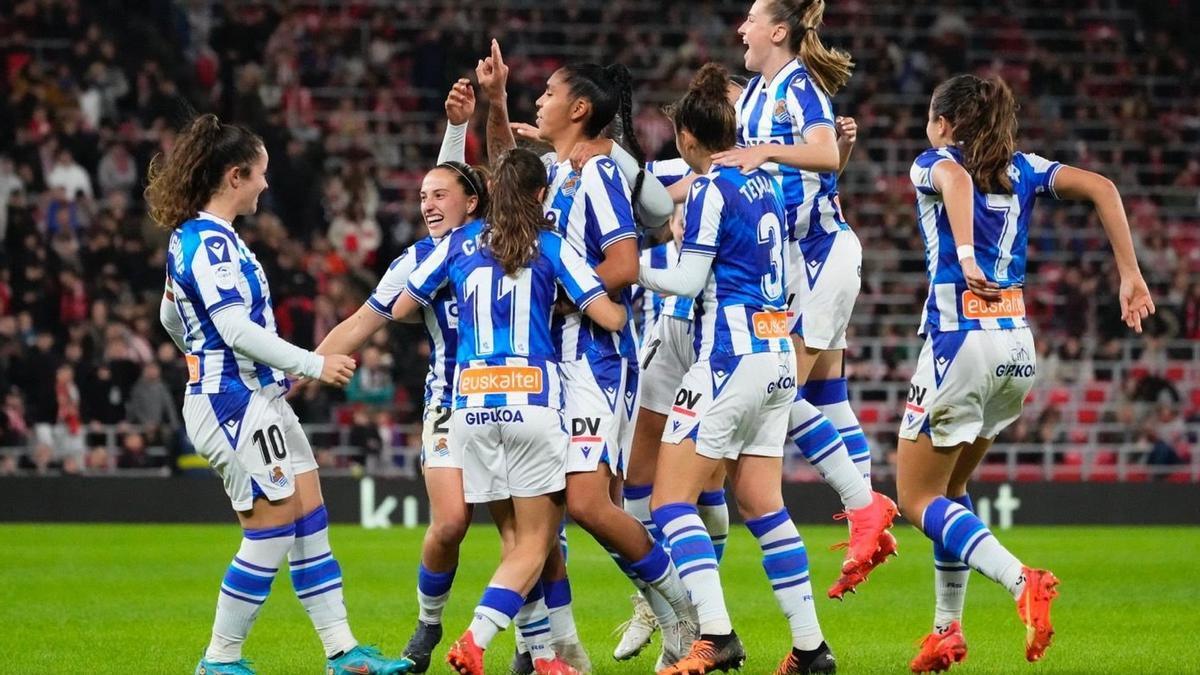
(615, 340)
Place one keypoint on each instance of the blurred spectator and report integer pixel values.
(133, 453)
(150, 403)
(67, 175)
(373, 383)
(117, 172)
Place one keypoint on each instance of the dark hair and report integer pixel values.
(705, 110)
(829, 68)
(610, 90)
(473, 180)
(178, 185)
(516, 216)
(983, 115)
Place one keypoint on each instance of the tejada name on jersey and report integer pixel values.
(496, 415)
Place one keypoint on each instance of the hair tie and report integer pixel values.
(448, 165)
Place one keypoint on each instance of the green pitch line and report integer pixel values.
(119, 598)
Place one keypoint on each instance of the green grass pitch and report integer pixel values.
(124, 599)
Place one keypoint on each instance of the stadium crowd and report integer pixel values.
(348, 98)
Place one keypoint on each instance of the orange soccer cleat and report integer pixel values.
(870, 542)
(465, 657)
(710, 653)
(940, 650)
(555, 666)
(1034, 608)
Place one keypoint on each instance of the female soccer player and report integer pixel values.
(734, 401)
(975, 196)
(508, 387)
(786, 125)
(452, 194)
(592, 209)
(217, 309)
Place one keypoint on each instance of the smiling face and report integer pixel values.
(248, 187)
(761, 35)
(557, 109)
(445, 205)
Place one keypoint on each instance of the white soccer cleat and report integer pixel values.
(573, 653)
(676, 641)
(637, 631)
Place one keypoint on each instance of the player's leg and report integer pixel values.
(714, 511)
(316, 574)
(756, 482)
(268, 527)
(449, 518)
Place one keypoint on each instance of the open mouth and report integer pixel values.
(434, 219)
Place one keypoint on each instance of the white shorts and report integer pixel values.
(601, 402)
(252, 439)
(437, 450)
(666, 358)
(969, 384)
(515, 451)
(823, 295)
(735, 405)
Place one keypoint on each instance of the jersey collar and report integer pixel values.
(791, 67)
(205, 215)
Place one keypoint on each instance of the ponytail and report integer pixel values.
(180, 184)
(983, 116)
(705, 110)
(516, 216)
(829, 68)
(610, 91)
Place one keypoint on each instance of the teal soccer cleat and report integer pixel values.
(366, 661)
(206, 667)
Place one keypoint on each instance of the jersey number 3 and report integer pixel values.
(770, 234)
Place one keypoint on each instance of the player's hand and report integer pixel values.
(1136, 303)
(492, 73)
(745, 159)
(977, 282)
(585, 150)
(847, 131)
(526, 131)
(338, 370)
(460, 102)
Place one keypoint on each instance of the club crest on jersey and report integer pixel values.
(781, 114)
(277, 477)
(570, 185)
(442, 448)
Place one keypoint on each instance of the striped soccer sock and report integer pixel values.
(558, 603)
(950, 577)
(965, 537)
(496, 609)
(694, 557)
(715, 514)
(245, 588)
(786, 563)
(818, 440)
(317, 578)
(637, 504)
(533, 625)
(832, 398)
(433, 591)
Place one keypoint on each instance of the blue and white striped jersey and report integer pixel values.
(780, 112)
(591, 209)
(441, 320)
(209, 269)
(1001, 237)
(661, 257)
(738, 219)
(505, 350)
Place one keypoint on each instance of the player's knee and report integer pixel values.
(448, 530)
(587, 509)
(912, 502)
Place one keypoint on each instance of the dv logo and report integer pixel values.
(585, 426)
(916, 394)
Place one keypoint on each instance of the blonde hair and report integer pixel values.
(829, 68)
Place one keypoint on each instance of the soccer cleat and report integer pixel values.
(940, 650)
(573, 653)
(421, 645)
(637, 631)
(710, 653)
(364, 660)
(522, 663)
(240, 667)
(555, 666)
(819, 660)
(676, 640)
(870, 543)
(1034, 607)
(465, 657)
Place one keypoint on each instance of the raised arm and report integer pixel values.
(1073, 183)
(493, 78)
(460, 106)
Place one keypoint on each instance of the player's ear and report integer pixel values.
(541, 195)
(472, 204)
(580, 109)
